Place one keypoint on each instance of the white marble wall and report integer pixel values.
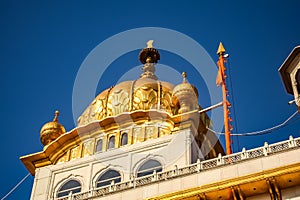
(169, 150)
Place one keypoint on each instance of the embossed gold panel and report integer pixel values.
(118, 102)
(75, 153)
(138, 135)
(87, 148)
(145, 98)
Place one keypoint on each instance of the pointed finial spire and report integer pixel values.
(221, 49)
(149, 54)
(56, 114)
(184, 77)
(150, 44)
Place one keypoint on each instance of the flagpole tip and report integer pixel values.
(221, 49)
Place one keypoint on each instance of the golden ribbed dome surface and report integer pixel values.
(141, 94)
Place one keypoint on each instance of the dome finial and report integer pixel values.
(149, 53)
(150, 44)
(149, 57)
(184, 77)
(56, 114)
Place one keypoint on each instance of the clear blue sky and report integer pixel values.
(44, 43)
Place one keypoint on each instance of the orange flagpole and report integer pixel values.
(221, 80)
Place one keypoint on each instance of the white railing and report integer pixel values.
(63, 198)
(190, 169)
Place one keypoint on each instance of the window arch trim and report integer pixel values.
(103, 171)
(158, 168)
(61, 184)
(116, 178)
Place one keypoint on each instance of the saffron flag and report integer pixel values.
(220, 76)
(219, 79)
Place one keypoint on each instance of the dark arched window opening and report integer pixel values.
(149, 167)
(124, 139)
(70, 186)
(298, 80)
(99, 145)
(108, 177)
(111, 142)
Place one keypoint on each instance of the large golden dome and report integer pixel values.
(145, 93)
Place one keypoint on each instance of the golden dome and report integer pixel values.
(185, 96)
(145, 93)
(51, 130)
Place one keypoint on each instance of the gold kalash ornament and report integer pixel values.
(51, 130)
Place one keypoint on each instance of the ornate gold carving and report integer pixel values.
(142, 94)
(75, 153)
(166, 101)
(138, 135)
(98, 109)
(150, 133)
(63, 158)
(145, 98)
(163, 132)
(85, 117)
(118, 102)
(95, 111)
(87, 148)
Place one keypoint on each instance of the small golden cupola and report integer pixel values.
(185, 96)
(51, 130)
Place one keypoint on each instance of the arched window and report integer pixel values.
(124, 139)
(149, 167)
(298, 80)
(108, 177)
(70, 186)
(99, 145)
(111, 142)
